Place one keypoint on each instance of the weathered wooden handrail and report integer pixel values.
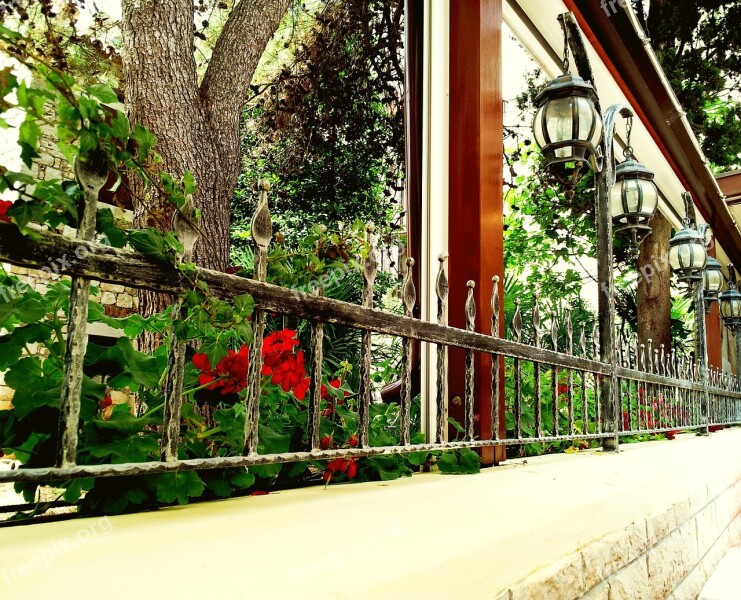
(125, 267)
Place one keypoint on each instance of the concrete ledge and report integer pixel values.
(639, 524)
(724, 582)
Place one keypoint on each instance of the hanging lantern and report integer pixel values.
(712, 278)
(633, 198)
(688, 253)
(567, 126)
(730, 303)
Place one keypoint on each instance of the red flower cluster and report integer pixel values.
(230, 374)
(286, 369)
(4, 206)
(348, 466)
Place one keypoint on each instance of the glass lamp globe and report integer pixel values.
(568, 128)
(712, 278)
(688, 255)
(730, 304)
(633, 200)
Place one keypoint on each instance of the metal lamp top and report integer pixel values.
(565, 85)
(687, 235)
(632, 169)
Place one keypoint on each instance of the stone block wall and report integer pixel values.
(667, 555)
(117, 301)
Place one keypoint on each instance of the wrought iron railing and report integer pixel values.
(551, 395)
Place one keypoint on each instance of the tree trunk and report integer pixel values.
(197, 125)
(654, 291)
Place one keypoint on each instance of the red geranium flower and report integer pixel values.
(300, 390)
(230, 374)
(277, 347)
(290, 374)
(4, 206)
(340, 465)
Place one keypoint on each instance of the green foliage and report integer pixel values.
(328, 128)
(698, 45)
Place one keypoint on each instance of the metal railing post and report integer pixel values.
(701, 349)
(91, 171)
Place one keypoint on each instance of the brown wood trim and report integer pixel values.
(713, 330)
(475, 238)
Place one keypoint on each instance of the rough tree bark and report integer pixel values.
(654, 291)
(197, 125)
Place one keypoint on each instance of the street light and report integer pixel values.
(688, 253)
(567, 126)
(573, 133)
(688, 257)
(634, 197)
(730, 303)
(730, 310)
(712, 279)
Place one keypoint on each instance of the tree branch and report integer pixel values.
(237, 52)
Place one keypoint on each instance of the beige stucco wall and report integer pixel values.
(630, 525)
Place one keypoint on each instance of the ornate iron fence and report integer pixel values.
(551, 395)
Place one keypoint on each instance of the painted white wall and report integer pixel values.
(434, 179)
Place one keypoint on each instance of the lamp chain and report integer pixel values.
(628, 152)
(565, 49)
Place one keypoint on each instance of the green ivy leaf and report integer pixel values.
(106, 225)
(215, 348)
(153, 243)
(144, 139)
(120, 126)
(189, 183)
(244, 304)
(23, 212)
(26, 449)
(13, 344)
(75, 488)
(88, 141)
(103, 93)
(459, 462)
(130, 449)
(171, 487)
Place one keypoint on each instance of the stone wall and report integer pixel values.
(117, 300)
(669, 554)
